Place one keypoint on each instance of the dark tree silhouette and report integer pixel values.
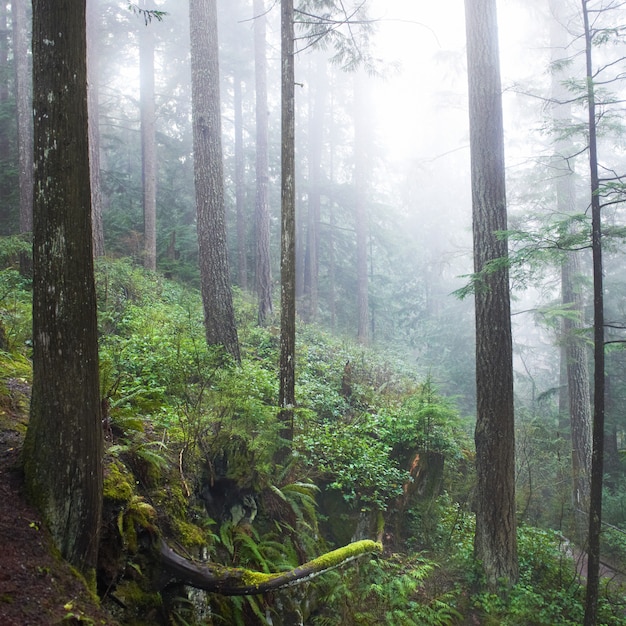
(63, 446)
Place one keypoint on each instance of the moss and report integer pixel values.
(336, 557)
(118, 483)
(189, 534)
(138, 514)
(321, 563)
(251, 578)
(141, 601)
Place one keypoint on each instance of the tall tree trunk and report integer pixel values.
(597, 450)
(262, 215)
(317, 110)
(574, 350)
(63, 447)
(23, 96)
(94, 127)
(361, 167)
(7, 153)
(240, 186)
(287, 382)
(495, 541)
(219, 315)
(148, 140)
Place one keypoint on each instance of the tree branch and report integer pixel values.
(237, 581)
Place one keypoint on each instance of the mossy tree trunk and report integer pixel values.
(287, 377)
(63, 447)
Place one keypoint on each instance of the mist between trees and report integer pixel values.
(348, 276)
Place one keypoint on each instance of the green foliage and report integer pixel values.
(549, 592)
(15, 295)
(387, 591)
(354, 462)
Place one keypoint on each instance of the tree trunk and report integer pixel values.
(287, 399)
(94, 127)
(262, 215)
(317, 110)
(240, 186)
(219, 315)
(148, 140)
(63, 447)
(574, 350)
(361, 173)
(495, 542)
(597, 450)
(23, 95)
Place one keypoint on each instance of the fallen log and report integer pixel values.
(237, 581)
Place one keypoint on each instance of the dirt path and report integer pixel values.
(37, 588)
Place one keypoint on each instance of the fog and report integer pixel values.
(418, 189)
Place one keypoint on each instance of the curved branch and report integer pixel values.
(237, 581)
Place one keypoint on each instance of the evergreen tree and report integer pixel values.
(63, 447)
(219, 316)
(495, 542)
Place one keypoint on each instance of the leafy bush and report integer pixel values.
(549, 591)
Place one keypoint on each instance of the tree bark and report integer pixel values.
(94, 127)
(495, 541)
(574, 351)
(287, 382)
(23, 96)
(233, 581)
(148, 140)
(262, 215)
(219, 315)
(597, 450)
(63, 446)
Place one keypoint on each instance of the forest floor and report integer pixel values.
(37, 587)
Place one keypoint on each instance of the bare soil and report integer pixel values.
(37, 588)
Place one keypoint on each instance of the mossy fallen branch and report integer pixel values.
(236, 581)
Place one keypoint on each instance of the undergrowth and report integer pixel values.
(191, 442)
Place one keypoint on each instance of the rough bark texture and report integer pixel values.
(219, 316)
(597, 451)
(63, 447)
(148, 140)
(262, 214)
(287, 381)
(94, 127)
(495, 539)
(234, 581)
(24, 112)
